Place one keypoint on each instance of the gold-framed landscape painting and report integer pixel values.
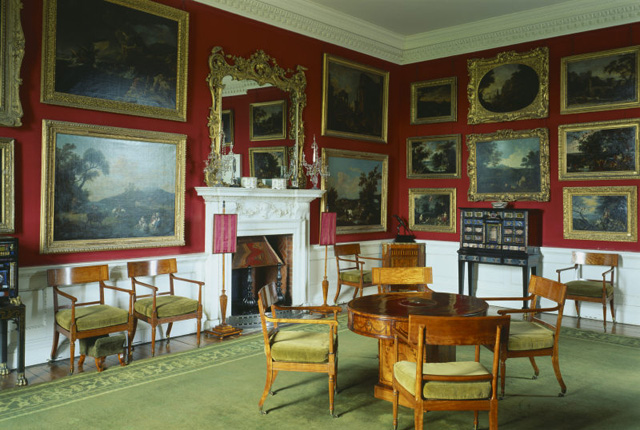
(12, 49)
(509, 165)
(7, 185)
(598, 81)
(356, 190)
(599, 150)
(434, 157)
(508, 87)
(434, 101)
(124, 56)
(600, 213)
(268, 162)
(355, 100)
(432, 209)
(99, 194)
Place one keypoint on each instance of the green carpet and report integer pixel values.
(218, 387)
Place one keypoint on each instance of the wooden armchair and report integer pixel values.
(451, 386)
(351, 271)
(88, 319)
(298, 351)
(158, 307)
(391, 279)
(592, 290)
(534, 337)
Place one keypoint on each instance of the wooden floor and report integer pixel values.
(49, 371)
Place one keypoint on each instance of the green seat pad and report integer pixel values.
(354, 276)
(524, 336)
(92, 317)
(587, 288)
(301, 347)
(101, 346)
(405, 373)
(168, 306)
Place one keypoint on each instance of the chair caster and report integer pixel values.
(263, 412)
(561, 394)
(534, 377)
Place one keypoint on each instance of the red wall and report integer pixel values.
(211, 27)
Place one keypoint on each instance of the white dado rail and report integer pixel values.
(261, 212)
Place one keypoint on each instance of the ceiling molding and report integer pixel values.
(325, 24)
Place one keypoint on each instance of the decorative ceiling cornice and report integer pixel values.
(329, 26)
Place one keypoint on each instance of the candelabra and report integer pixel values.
(316, 168)
(219, 166)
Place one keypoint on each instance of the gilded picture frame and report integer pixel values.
(509, 165)
(268, 120)
(599, 81)
(434, 157)
(434, 101)
(268, 162)
(228, 127)
(98, 194)
(600, 213)
(89, 61)
(432, 209)
(599, 150)
(7, 186)
(356, 190)
(342, 81)
(508, 87)
(12, 49)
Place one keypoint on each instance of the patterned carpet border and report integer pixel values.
(21, 401)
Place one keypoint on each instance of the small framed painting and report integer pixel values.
(434, 157)
(599, 150)
(434, 101)
(509, 87)
(509, 165)
(601, 213)
(356, 190)
(355, 100)
(268, 120)
(600, 81)
(266, 163)
(432, 209)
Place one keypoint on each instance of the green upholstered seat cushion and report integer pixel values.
(301, 347)
(101, 346)
(587, 288)
(405, 373)
(354, 276)
(93, 317)
(168, 306)
(524, 336)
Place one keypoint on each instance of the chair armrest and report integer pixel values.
(566, 268)
(606, 272)
(371, 258)
(144, 284)
(330, 322)
(527, 311)
(65, 295)
(193, 281)
(113, 287)
(523, 299)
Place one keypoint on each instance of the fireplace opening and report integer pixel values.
(259, 260)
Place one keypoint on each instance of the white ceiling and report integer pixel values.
(409, 31)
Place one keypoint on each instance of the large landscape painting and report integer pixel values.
(101, 194)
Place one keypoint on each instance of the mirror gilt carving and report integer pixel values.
(263, 69)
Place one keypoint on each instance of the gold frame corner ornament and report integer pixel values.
(630, 192)
(537, 59)
(263, 69)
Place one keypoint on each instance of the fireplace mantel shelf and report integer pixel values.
(237, 192)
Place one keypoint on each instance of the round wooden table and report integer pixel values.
(376, 315)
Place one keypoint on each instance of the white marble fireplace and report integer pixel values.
(261, 212)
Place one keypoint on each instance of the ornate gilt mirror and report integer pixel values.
(263, 70)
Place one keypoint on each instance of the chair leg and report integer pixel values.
(555, 360)
(153, 341)
(169, 327)
(577, 303)
(337, 293)
(418, 417)
(503, 373)
(493, 415)
(198, 333)
(536, 371)
(267, 387)
(81, 360)
(332, 388)
(613, 311)
(604, 315)
(475, 420)
(54, 348)
(395, 409)
(72, 352)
